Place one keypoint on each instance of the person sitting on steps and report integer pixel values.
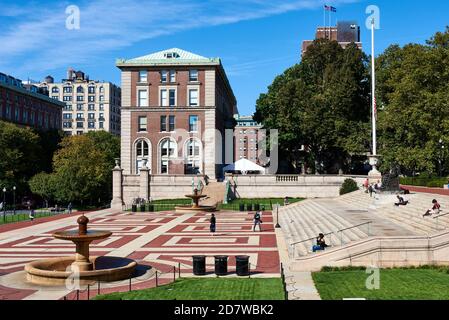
(401, 202)
(320, 243)
(436, 209)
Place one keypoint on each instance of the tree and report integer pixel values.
(19, 152)
(322, 103)
(413, 92)
(43, 185)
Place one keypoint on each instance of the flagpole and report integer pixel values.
(373, 82)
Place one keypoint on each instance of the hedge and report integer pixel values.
(424, 182)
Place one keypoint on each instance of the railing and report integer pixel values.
(287, 178)
(437, 221)
(339, 235)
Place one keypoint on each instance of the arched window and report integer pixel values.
(79, 89)
(142, 154)
(167, 151)
(192, 161)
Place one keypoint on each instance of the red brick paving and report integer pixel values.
(442, 192)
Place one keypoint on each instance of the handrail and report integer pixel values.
(295, 243)
(353, 227)
(441, 215)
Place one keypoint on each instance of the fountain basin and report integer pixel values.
(53, 272)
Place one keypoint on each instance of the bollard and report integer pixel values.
(78, 294)
(174, 273)
(156, 280)
(88, 292)
(179, 269)
(98, 287)
(130, 284)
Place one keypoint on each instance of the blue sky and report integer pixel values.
(255, 39)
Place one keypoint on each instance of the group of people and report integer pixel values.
(257, 222)
(372, 187)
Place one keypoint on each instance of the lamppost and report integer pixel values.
(14, 197)
(278, 226)
(4, 204)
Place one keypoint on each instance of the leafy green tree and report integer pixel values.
(43, 185)
(20, 149)
(413, 93)
(322, 103)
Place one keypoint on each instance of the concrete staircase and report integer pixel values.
(215, 192)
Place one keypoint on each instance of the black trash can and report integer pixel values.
(150, 207)
(242, 265)
(134, 208)
(142, 208)
(249, 207)
(242, 207)
(257, 207)
(199, 265)
(221, 265)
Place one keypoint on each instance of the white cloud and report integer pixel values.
(37, 36)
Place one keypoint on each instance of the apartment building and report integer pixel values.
(27, 105)
(248, 135)
(176, 106)
(90, 105)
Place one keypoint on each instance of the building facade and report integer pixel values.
(248, 136)
(345, 33)
(176, 106)
(27, 105)
(89, 105)
(177, 113)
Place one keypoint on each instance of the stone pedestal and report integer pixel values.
(82, 261)
(117, 198)
(374, 175)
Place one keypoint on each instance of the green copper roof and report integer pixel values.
(173, 56)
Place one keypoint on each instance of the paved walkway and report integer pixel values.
(163, 241)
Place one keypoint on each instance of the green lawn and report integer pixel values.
(395, 284)
(207, 289)
(23, 217)
(263, 202)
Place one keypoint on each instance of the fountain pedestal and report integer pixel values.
(196, 196)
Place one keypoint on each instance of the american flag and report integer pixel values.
(330, 8)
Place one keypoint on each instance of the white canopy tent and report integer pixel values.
(244, 165)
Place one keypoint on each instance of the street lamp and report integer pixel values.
(14, 196)
(4, 204)
(278, 226)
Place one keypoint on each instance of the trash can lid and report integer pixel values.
(199, 256)
(221, 257)
(242, 257)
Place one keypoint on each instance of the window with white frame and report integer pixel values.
(172, 97)
(143, 76)
(193, 123)
(143, 98)
(164, 76)
(167, 151)
(193, 97)
(193, 75)
(164, 100)
(142, 123)
(142, 154)
(172, 76)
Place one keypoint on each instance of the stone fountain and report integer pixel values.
(196, 196)
(57, 270)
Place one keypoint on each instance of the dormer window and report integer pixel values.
(171, 55)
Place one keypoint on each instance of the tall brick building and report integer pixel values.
(27, 105)
(248, 134)
(176, 106)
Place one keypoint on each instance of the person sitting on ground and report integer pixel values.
(401, 202)
(436, 209)
(320, 243)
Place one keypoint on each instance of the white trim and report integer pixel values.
(186, 152)
(159, 156)
(134, 154)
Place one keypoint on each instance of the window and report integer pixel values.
(101, 89)
(91, 107)
(193, 75)
(79, 133)
(171, 123)
(67, 116)
(79, 98)
(79, 107)
(172, 97)
(101, 125)
(142, 124)
(67, 98)
(143, 98)
(80, 124)
(91, 125)
(143, 76)
(192, 161)
(16, 114)
(193, 97)
(167, 151)
(32, 118)
(163, 123)
(101, 98)
(101, 116)
(101, 107)
(164, 75)
(67, 124)
(55, 97)
(142, 154)
(91, 90)
(164, 101)
(67, 90)
(172, 76)
(68, 107)
(79, 116)
(193, 123)
(91, 98)
(91, 116)
(54, 90)
(79, 89)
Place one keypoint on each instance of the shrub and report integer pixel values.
(348, 186)
(431, 182)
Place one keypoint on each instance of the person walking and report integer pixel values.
(31, 214)
(257, 221)
(69, 208)
(213, 222)
(370, 190)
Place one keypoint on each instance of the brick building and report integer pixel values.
(247, 137)
(26, 105)
(345, 33)
(176, 106)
